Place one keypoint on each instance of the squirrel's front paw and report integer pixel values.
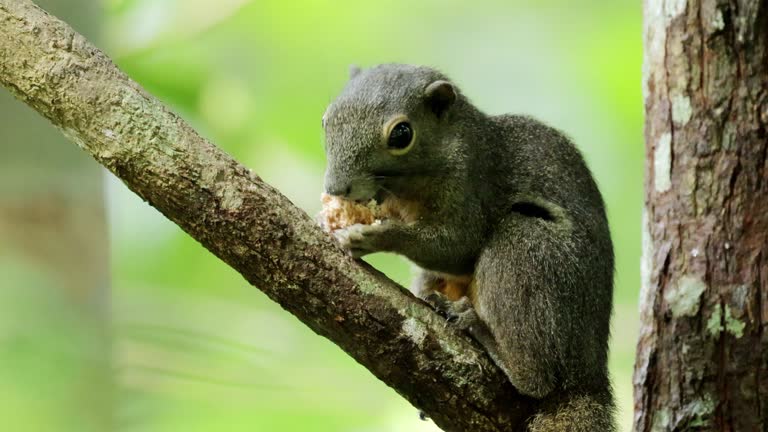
(360, 239)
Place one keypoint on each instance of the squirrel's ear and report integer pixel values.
(354, 70)
(440, 96)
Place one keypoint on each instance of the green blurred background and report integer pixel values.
(174, 340)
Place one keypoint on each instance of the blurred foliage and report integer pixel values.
(195, 347)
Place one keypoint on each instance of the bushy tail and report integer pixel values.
(576, 413)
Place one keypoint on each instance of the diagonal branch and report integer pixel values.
(250, 225)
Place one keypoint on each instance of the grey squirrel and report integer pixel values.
(511, 226)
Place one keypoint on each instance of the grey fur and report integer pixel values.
(509, 200)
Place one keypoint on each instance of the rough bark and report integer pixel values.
(703, 352)
(250, 225)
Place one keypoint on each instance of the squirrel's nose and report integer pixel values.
(340, 190)
(337, 184)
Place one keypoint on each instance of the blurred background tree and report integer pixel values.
(195, 347)
(55, 367)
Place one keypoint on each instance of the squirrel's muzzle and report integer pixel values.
(354, 189)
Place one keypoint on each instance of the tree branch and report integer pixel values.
(250, 225)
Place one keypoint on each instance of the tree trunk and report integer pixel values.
(702, 361)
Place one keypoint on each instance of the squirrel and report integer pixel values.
(511, 236)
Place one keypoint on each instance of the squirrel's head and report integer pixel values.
(390, 123)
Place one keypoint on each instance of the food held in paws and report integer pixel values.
(338, 213)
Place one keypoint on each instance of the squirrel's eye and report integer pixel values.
(401, 136)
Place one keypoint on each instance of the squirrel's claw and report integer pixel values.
(459, 314)
(439, 302)
(464, 319)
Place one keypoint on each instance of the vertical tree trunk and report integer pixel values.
(702, 361)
